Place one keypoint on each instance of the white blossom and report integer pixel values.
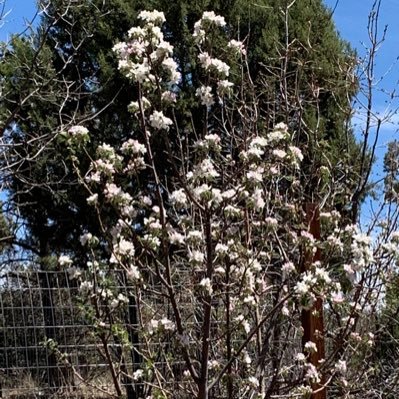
(86, 287)
(288, 268)
(206, 169)
(106, 151)
(229, 194)
(171, 67)
(114, 303)
(159, 121)
(138, 72)
(297, 153)
(74, 272)
(247, 359)
(253, 152)
(124, 248)
(203, 191)
(206, 284)
(137, 375)
(281, 154)
(87, 238)
(179, 198)
(282, 127)
(164, 49)
(195, 236)
(340, 366)
(133, 147)
(205, 60)
(220, 270)
(259, 142)
(258, 200)
(121, 49)
(253, 381)
(196, 257)
(307, 236)
(213, 364)
(220, 67)
(250, 300)
(212, 140)
(337, 297)
(153, 223)
(112, 191)
(146, 200)
(237, 46)
(176, 238)
(156, 209)
(168, 97)
(151, 241)
(153, 326)
(155, 17)
(94, 177)
(300, 357)
(155, 34)
(214, 64)
(65, 260)
(256, 175)
(210, 16)
(276, 136)
(271, 222)
(232, 211)
(133, 273)
(302, 288)
(167, 324)
(78, 131)
(322, 275)
(310, 347)
(224, 87)
(312, 373)
(135, 32)
(92, 199)
(221, 249)
(105, 167)
(349, 270)
(205, 95)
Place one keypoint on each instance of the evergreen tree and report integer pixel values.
(66, 72)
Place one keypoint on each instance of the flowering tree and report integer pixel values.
(221, 259)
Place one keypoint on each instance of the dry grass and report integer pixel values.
(18, 385)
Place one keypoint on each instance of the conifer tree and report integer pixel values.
(66, 72)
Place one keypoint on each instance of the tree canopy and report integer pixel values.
(65, 72)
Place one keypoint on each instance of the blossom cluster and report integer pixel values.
(146, 52)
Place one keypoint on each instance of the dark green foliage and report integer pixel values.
(391, 168)
(67, 72)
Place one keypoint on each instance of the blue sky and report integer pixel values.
(351, 17)
(19, 12)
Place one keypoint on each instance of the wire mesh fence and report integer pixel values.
(62, 337)
(48, 346)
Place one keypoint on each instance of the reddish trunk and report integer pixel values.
(312, 319)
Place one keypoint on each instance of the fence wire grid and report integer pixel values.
(47, 344)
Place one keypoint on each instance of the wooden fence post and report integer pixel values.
(312, 319)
